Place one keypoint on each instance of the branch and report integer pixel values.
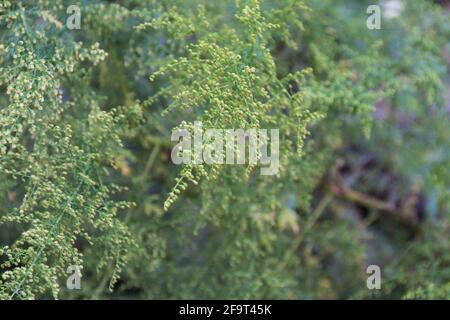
(389, 209)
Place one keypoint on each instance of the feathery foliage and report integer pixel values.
(86, 177)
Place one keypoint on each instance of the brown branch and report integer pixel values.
(383, 207)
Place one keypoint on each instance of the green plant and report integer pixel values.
(86, 175)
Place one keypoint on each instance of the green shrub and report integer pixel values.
(86, 176)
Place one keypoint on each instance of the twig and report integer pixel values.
(370, 202)
(316, 214)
